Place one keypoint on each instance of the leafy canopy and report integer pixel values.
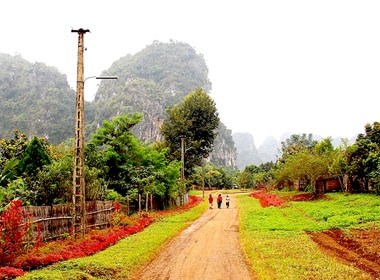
(195, 119)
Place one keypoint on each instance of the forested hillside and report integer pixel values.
(37, 99)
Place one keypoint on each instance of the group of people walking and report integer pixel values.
(219, 201)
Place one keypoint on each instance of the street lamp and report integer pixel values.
(79, 197)
(102, 78)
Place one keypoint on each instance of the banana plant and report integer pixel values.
(9, 170)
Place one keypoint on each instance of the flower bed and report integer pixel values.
(267, 199)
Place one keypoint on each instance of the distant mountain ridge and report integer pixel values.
(268, 151)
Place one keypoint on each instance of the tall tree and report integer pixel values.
(304, 159)
(117, 144)
(362, 158)
(128, 166)
(34, 157)
(297, 143)
(195, 120)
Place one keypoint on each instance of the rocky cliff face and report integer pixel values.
(224, 153)
(247, 153)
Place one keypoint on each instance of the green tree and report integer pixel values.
(53, 183)
(245, 179)
(372, 132)
(362, 162)
(34, 158)
(296, 143)
(128, 166)
(196, 120)
(117, 147)
(339, 164)
(305, 161)
(363, 159)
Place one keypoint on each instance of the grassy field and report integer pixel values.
(278, 247)
(274, 240)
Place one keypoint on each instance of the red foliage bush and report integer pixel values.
(7, 272)
(267, 199)
(12, 232)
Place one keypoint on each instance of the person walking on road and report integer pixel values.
(227, 201)
(220, 200)
(210, 201)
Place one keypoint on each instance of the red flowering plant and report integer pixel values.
(12, 232)
(267, 199)
(7, 272)
(120, 218)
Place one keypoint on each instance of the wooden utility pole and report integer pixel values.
(203, 177)
(79, 198)
(182, 187)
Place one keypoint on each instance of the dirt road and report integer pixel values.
(208, 249)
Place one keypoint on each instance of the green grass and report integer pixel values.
(345, 211)
(277, 246)
(124, 258)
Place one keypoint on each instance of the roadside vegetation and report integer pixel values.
(127, 255)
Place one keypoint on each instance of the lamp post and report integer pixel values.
(79, 197)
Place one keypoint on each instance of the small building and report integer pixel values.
(325, 185)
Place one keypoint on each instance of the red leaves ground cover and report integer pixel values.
(67, 249)
(93, 242)
(267, 199)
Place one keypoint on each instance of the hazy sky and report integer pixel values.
(276, 66)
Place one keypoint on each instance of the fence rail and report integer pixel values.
(55, 221)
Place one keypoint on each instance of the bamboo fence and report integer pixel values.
(52, 222)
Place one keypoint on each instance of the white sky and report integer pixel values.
(276, 65)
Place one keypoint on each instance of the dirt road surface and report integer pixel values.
(208, 249)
